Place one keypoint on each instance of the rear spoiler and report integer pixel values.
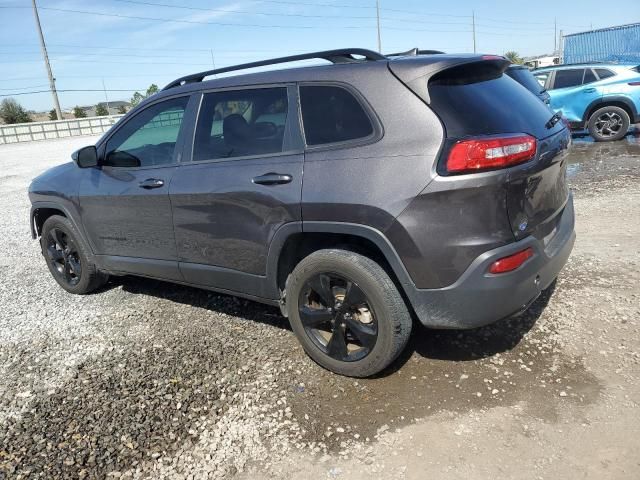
(417, 72)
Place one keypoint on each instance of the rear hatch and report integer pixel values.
(479, 105)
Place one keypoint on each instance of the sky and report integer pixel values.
(126, 45)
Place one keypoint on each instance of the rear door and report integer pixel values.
(239, 183)
(570, 92)
(125, 203)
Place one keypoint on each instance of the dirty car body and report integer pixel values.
(245, 188)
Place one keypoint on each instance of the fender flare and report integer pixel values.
(607, 100)
(369, 233)
(54, 206)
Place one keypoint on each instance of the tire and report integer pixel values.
(67, 257)
(608, 124)
(382, 311)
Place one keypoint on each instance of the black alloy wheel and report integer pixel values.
(337, 317)
(64, 256)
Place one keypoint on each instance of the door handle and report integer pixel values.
(272, 179)
(150, 183)
(589, 90)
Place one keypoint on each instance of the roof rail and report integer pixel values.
(414, 52)
(577, 64)
(346, 55)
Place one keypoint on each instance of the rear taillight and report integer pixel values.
(510, 263)
(634, 84)
(488, 153)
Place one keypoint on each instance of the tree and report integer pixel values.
(12, 112)
(513, 57)
(79, 112)
(52, 114)
(101, 110)
(122, 109)
(138, 97)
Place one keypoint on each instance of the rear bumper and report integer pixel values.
(478, 298)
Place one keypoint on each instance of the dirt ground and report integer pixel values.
(150, 380)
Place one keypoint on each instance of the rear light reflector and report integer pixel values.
(482, 154)
(510, 263)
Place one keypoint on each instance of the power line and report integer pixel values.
(75, 90)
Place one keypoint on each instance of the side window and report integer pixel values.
(332, 114)
(241, 122)
(542, 78)
(149, 138)
(589, 76)
(604, 73)
(568, 78)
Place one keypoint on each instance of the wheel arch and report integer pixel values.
(41, 211)
(296, 243)
(616, 101)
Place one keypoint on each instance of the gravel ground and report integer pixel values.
(150, 380)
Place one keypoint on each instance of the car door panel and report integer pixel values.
(223, 219)
(226, 211)
(124, 203)
(573, 100)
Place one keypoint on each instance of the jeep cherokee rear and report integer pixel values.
(432, 178)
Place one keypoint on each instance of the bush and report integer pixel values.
(79, 113)
(12, 112)
(101, 110)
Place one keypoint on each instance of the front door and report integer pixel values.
(125, 203)
(242, 184)
(571, 93)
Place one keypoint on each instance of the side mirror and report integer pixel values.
(86, 157)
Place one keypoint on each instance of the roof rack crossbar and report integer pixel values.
(347, 55)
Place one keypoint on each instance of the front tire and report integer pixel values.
(347, 313)
(608, 124)
(67, 257)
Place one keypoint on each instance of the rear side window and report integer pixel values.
(332, 114)
(524, 77)
(589, 76)
(241, 123)
(568, 78)
(472, 104)
(604, 73)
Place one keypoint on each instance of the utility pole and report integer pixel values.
(213, 61)
(378, 20)
(555, 36)
(106, 98)
(52, 81)
(473, 29)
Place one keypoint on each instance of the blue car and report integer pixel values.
(605, 98)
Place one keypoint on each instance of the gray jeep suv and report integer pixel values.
(356, 195)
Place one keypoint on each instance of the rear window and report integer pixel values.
(332, 114)
(493, 104)
(524, 77)
(604, 73)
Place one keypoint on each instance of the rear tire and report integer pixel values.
(67, 257)
(342, 294)
(609, 124)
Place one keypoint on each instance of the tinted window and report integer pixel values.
(524, 77)
(542, 78)
(241, 123)
(568, 78)
(332, 114)
(486, 104)
(604, 73)
(589, 76)
(149, 138)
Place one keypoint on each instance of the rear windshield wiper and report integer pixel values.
(553, 120)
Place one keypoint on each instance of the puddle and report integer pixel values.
(450, 371)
